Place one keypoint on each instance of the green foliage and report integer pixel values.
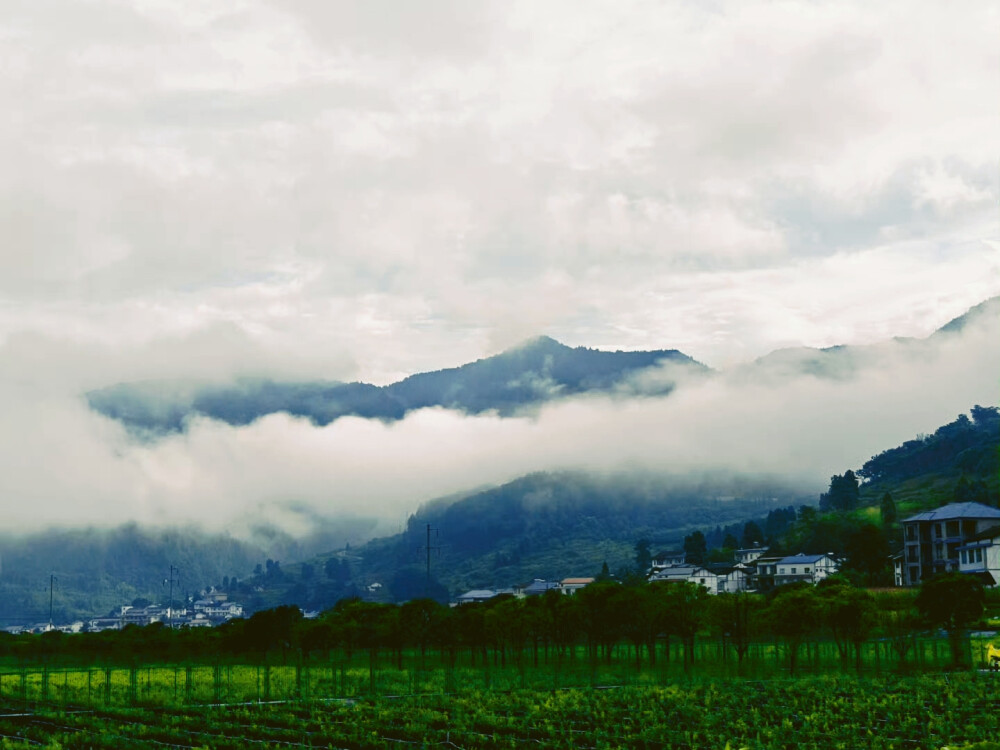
(643, 556)
(952, 601)
(961, 446)
(752, 534)
(843, 494)
(887, 509)
(695, 548)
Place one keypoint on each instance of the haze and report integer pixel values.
(302, 190)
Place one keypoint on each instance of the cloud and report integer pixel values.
(63, 464)
(304, 189)
(452, 178)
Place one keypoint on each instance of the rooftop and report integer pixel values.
(801, 559)
(954, 511)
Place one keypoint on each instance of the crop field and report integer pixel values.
(162, 707)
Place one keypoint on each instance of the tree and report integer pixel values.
(867, 554)
(684, 606)
(849, 613)
(971, 492)
(605, 574)
(843, 494)
(643, 557)
(695, 548)
(752, 534)
(887, 508)
(730, 542)
(952, 601)
(793, 615)
(734, 617)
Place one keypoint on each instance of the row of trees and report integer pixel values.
(605, 618)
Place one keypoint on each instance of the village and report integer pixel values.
(958, 537)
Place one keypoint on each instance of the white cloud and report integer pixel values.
(64, 464)
(314, 189)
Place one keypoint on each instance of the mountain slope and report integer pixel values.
(843, 361)
(534, 373)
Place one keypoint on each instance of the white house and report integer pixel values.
(475, 595)
(809, 568)
(749, 554)
(570, 586)
(980, 556)
(691, 573)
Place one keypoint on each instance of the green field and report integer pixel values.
(812, 712)
(332, 701)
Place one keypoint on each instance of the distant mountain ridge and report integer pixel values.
(525, 377)
(843, 361)
(536, 372)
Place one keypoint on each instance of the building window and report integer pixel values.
(806, 571)
(965, 557)
(979, 555)
(911, 533)
(952, 528)
(938, 551)
(793, 571)
(782, 571)
(937, 530)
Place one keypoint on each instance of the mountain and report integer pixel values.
(534, 373)
(554, 525)
(99, 569)
(843, 361)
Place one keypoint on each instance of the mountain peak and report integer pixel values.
(539, 343)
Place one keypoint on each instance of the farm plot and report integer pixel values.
(812, 712)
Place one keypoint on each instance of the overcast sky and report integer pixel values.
(307, 188)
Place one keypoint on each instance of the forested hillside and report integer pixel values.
(859, 515)
(96, 570)
(535, 372)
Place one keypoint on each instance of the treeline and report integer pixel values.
(966, 446)
(605, 619)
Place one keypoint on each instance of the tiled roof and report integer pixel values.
(955, 511)
(800, 559)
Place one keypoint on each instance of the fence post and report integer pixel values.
(217, 683)
(133, 685)
(107, 686)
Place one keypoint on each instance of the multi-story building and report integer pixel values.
(932, 540)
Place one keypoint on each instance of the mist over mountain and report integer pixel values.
(558, 524)
(843, 362)
(538, 371)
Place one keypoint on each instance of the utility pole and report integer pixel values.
(170, 601)
(428, 548)
(52, 585)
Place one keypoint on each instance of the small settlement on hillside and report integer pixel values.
(962, 537)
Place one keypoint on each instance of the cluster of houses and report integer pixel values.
(752, 569)
(537, 587)
(203, 613)
(963, 537)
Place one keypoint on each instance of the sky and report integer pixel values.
(360, 191)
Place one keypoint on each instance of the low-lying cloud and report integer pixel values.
(63, 464)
